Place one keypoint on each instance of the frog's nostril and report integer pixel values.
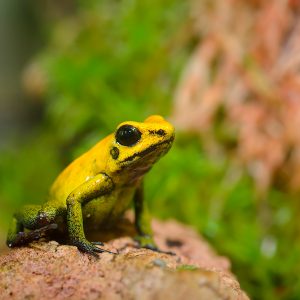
(161, 132)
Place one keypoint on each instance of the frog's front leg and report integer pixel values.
(143, 222)
(97, 186)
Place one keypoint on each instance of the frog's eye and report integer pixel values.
(128, 135)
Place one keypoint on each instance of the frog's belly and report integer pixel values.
(104, 211)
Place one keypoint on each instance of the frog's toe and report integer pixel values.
(165, 252)
(99, 250)
(98, 243)
(91, 248)
(150, 247)
(154, 248)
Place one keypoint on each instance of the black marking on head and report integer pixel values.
(114, 152)
(128, 135)
(147, 151)
(159, 132)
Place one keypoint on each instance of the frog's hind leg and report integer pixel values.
(32, 217)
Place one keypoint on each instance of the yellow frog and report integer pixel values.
(96, 188)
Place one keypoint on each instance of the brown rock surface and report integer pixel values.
(52, 271)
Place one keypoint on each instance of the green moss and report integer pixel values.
(187, 268)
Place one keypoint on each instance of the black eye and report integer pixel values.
(128, 135)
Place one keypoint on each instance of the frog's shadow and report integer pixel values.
(122, 228)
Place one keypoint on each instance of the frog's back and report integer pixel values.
(80, 170)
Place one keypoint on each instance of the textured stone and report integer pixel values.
(47, 270)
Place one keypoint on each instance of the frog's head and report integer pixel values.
(135, 146)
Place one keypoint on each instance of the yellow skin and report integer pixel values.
(96, 188)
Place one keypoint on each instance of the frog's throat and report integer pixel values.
(148, 150)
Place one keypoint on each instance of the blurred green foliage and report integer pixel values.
(120, 60)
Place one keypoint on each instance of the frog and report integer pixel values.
(94, 191)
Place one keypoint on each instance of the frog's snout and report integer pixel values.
(162, 127)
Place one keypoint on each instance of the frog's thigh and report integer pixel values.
(34, 216)
(30, 217)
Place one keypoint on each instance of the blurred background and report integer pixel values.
(226, 73)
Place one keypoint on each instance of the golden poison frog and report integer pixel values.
(96, 188)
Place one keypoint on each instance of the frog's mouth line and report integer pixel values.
(148, 150)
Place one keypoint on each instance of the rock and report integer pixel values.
(47, 270)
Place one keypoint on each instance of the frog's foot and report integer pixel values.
(146, 241)
(91, 248)
(23, 238)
